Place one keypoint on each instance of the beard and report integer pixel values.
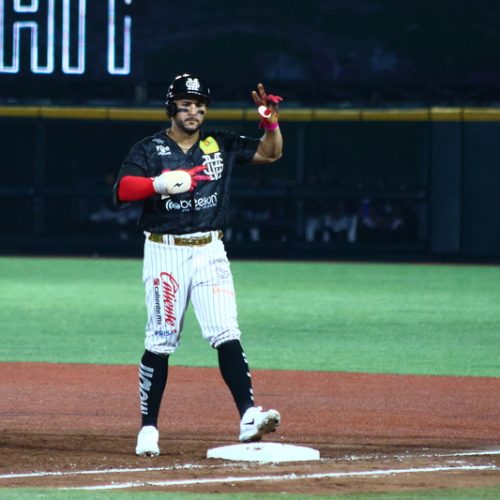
(189, 125)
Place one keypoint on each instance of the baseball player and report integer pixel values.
(182, 175)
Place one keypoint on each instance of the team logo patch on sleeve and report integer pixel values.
(209, 145)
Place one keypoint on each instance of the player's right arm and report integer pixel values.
(135, 188)
(271, 144)
(132, 188)
(134, 183)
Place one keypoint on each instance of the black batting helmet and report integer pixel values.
(182, 86)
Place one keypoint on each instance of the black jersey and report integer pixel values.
(206, 207)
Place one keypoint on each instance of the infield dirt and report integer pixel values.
(80, 422)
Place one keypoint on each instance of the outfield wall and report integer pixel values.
(355, 182)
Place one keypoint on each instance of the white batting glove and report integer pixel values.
(172, 182)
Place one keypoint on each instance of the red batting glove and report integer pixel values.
(196, 177)
(273, 99)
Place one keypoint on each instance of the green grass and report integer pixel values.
(379, 318)
(34, 494)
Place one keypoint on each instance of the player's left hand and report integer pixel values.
(267, 105)
(179, 181)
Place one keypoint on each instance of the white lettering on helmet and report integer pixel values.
(192, 84)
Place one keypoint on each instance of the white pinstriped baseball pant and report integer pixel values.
(176, 275)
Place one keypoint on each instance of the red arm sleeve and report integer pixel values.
(133, 188)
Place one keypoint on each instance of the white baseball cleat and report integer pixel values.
(147, 442)
(255, 423)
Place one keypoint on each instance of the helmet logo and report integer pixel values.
(193, 84)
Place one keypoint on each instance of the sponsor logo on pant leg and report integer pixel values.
(156, 291)
(169, 287)
(159, 331)
(222, 272)
(223, 291)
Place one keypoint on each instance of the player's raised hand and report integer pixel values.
(267, 106)
(261, 98)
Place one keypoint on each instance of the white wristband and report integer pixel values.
(264, 112)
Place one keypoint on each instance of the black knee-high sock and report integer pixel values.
(153, 373)
(236, 373)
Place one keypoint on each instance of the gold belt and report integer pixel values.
(192, 241)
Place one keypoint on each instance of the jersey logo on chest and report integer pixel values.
(212, 158)
(214, 165)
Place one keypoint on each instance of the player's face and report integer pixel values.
(190, 114)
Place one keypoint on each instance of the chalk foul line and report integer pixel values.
(287, 477)
(99, 471)
(233, 464)
(425, 455)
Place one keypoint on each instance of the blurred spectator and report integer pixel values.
(331, 221)
(382, 220)
(252, 220)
